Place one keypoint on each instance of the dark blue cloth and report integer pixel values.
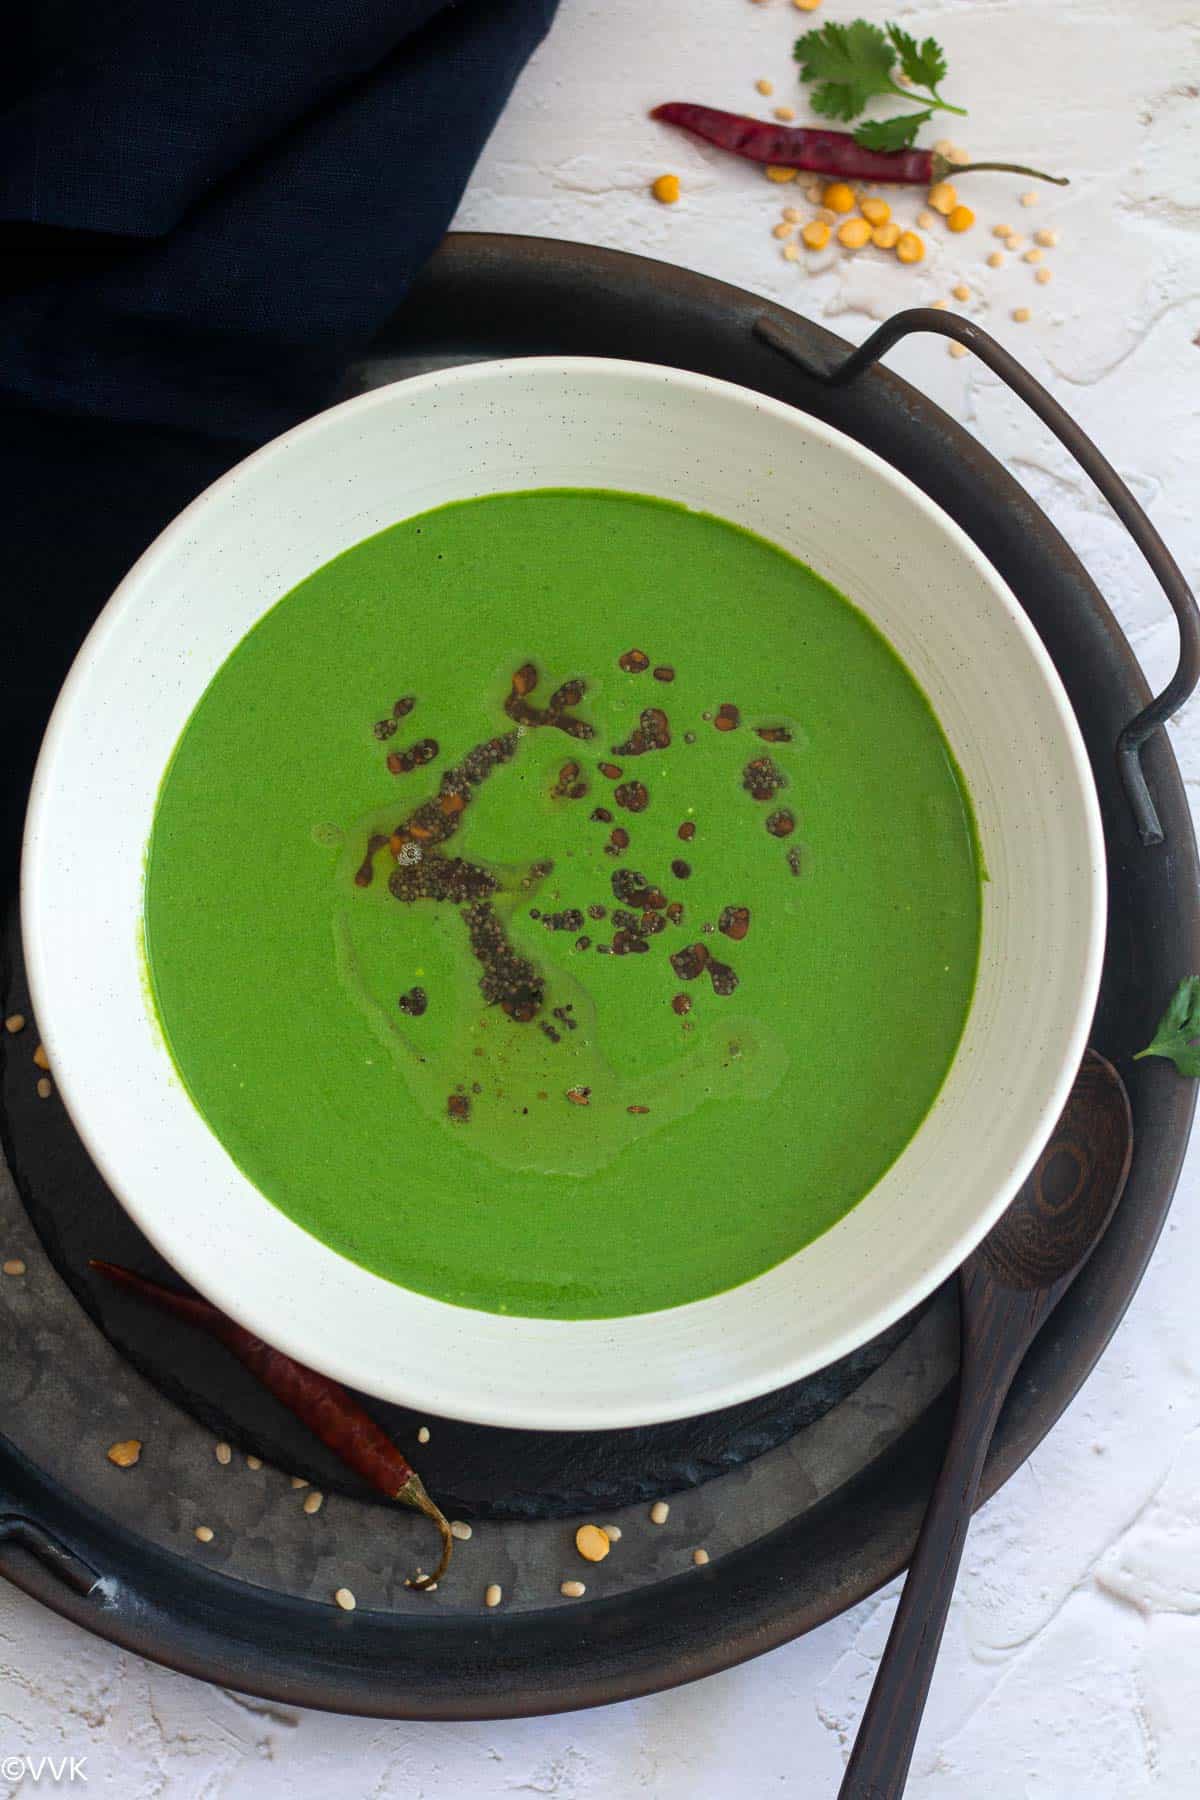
(206, 208)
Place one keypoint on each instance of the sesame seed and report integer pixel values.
(314, 1502)
(961, 291)
(14, 1266)
(423, 1435)
(345, 1599)
(460, 1529)
(940, 305)
(926, 220)
(223, 1454)
(791, 253)
(1043, 276)
(1022, 315)
(40, 1057)
(254, 1462)
(956, 349)
(126, 1453)
(659, 1512)
(493, 1595)
(785, 113)
(1029, 199)
(1002, 231)
(298, 1481)
(1047, 236)
(956, 154)
(15, 1022)
(204, 1534)
(571, 1590)
(45, 1088)
(699, 1557)
(764, 86)
(792, 215)
(783, 230)
(1014, 240)
(612, 1533)
(1032, 256)
(996, 259)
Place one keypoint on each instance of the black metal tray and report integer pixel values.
(805, 1530)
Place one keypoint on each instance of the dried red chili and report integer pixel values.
(823, 152)
(326, 1408)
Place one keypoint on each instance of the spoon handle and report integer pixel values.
(887, 1735)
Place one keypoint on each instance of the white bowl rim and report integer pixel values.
(218, 1283)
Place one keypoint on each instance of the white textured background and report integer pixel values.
(1071, 1669)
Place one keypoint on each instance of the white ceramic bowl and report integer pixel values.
(589, 423)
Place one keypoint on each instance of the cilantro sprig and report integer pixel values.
(1178, 1034)
(848, 66)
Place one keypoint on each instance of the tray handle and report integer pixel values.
(1163, 565)
(16, 1528)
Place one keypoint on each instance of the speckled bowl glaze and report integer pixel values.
(565, 422)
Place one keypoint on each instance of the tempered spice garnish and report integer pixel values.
(579, 1096)
(774, 734)
(610, 771)
(734, 922)
(680, 869)
(634, 796)
(414, 1003)
(403, 762)
(686, 832)
(634, 662)
(652, 732)
(793, 860)
(569, 786)
(762, 779)
(600, 815)
(781, 824)
(724, 981)
(681, 1004)
(664, 672)
(632, 1109)
(330, 1413)
(404, 706)
(691, 961)
(728, 718)
(521, 709)
(458, 1107)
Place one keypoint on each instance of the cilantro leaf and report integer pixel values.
(1178, 1034)
(891, 134)
(924, 64)
(849, 65)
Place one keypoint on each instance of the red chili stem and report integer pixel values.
(329, 1412)
(823, 152)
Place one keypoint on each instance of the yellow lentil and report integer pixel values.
(15, 1022)
(854, 234)
(960, 219)
(775, 172)
(838, 197)
(886, 237)
(592, 1543)
(943, 196)
(666, 189)
(126, 1453)
(786, 113)
(961, 291)
(816, 234)
(910, 248)
(764, 86)
(876, 210)
(1022, 315)
(14, 1266)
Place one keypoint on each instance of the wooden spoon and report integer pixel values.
(1007, 1289)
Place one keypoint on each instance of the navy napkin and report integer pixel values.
(206, 209)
